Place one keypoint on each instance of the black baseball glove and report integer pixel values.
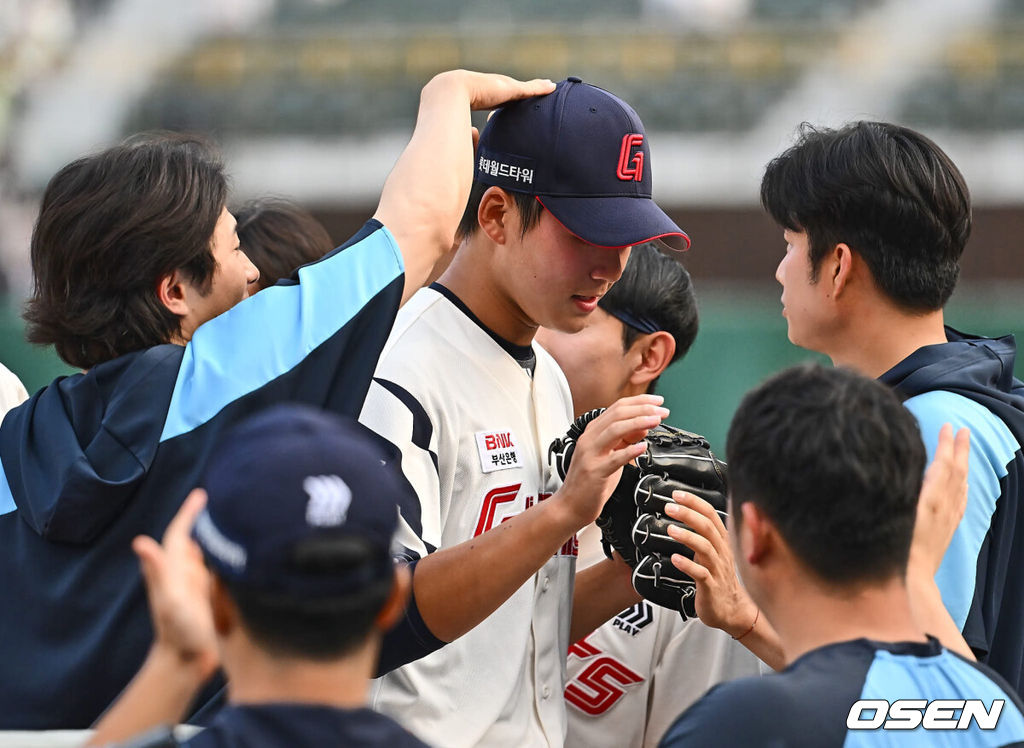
(633, 520)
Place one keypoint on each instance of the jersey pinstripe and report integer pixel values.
(472, 427)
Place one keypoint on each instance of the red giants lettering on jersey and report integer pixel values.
(570, 547)
(492, 501)
(497, 500)
(601, 683)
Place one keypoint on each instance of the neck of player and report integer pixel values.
(875, 340)
(255, 677)
(472, 277)
(808, 614)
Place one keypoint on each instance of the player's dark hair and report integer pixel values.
(528, 206)
(290, 625)
(886, 191)
(279, 236)
(655, 287)
(110, 226)
(835, 461)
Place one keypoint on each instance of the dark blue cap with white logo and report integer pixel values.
(583, 153)
(290, 487)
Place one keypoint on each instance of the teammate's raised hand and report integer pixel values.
(941, 503)
(610, 441)
(488, 90)
(425, 194)
(178, 589)
(721, 601)
(940, 507)
(184, 652)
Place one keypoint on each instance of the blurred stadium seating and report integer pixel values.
(312, 98)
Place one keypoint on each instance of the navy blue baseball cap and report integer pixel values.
(583, 153)
(289, 482)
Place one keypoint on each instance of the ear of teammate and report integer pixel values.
(722, 602)
(426, 192)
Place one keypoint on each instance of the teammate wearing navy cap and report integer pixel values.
(299, 515)
(562, 191)
(876, 218)
(140, 279)
(825, 471)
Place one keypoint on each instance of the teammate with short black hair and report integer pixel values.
(886, 190)
(825, 471)
(647, 321)
(629, 678)
(296, 531)
(138, 278)
(876, 217)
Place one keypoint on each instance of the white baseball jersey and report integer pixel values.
(12, 391)
(473, 427)
(631, 678)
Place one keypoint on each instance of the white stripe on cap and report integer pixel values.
(217, 545)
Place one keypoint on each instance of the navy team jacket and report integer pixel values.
(816, 702)
(969, 381)
(94, 459)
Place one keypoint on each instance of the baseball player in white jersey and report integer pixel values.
(630, 678)
(470, 405)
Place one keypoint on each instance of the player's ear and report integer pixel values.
(755, 533)
(171, 291)
(652, 353)
(840, 268)
(394, 606)
(495, 213)
(225, 612)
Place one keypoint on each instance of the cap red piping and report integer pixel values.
(609, 246)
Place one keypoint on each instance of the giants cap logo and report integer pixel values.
(631, 170)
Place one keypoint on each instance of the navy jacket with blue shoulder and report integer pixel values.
(94, 459)
(969, 381)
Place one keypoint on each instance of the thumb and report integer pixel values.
(151, 558)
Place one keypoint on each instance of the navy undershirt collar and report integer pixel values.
(523, 354)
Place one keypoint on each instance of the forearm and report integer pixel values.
(426, 192)
(763, 641)
(458, 587)
(159, 694)
(931, 615)
(601, 591)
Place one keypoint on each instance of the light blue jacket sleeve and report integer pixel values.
(992, 449)
(268, 334)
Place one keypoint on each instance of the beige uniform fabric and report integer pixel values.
(12, 391)
(490, 424)
(631, 678)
